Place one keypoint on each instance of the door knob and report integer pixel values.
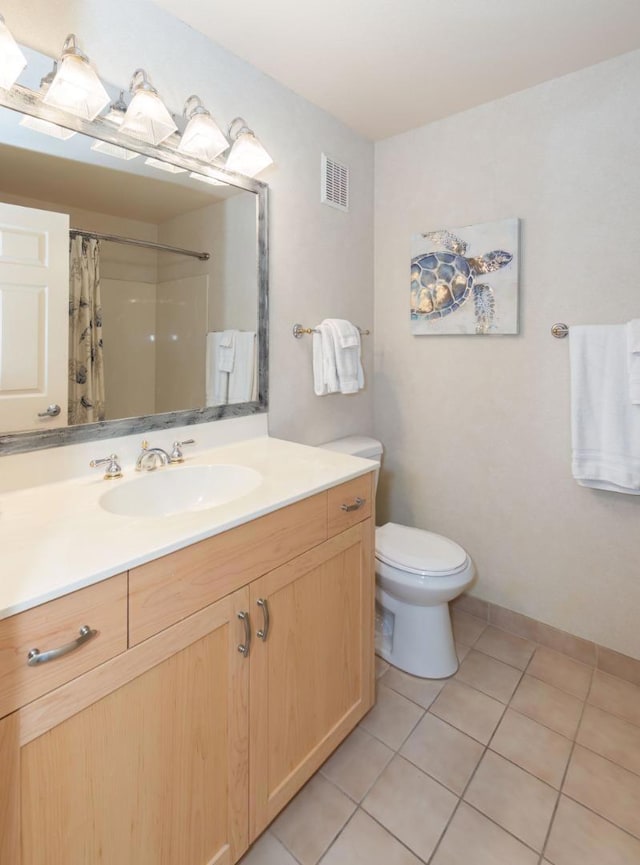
(52, 411)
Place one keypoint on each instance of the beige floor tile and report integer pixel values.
(506, 647)
(411, 805)
(561, 672)
(613, 737)
(355, 766)
(494, 678)
(392, 718)
(268, 851)
(312, 820)
(462, 651)
(548, 705)
(539, 750)
(381, 667)
(616, 696)
(520, 803)
(467, 709)
(445, 753)
(420, 691)
(619, 665)
(466, 628)
(606, 788)
(580, 837)
(365, 842)
(472, 839)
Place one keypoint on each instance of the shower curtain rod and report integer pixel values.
(147, 244)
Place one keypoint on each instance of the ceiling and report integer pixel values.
(386, 66)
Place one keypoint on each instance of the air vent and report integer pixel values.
(334, 184)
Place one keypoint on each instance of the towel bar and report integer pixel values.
(560, 330)
(299, 331)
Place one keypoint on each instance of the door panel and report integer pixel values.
(34, 317)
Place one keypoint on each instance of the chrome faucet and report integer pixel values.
(150, 458)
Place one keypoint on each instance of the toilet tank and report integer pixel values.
(358, 446)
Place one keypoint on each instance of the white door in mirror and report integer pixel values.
(172, 491)
(34, 320)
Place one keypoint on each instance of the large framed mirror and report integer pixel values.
(133, 283)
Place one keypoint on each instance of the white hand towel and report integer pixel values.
(242, 375)
(633, 348)
(325, 373)
(605, 424)
(346, 338)
(227, 350)
(217, 380)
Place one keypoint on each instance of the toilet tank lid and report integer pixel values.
(357, 446)
(417, 550)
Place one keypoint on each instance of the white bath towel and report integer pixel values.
(217, 380)
(241, 378)
(346, 340)
(227, 350)
(633, 359)
(325, 373)
(605, 424)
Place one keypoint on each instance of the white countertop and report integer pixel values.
(56, 538)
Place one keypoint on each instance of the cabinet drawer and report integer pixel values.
(103, 607)
(349, 504)
(173, 587)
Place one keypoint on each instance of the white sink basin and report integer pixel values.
(176, 490)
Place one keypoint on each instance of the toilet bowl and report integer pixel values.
(417, 574)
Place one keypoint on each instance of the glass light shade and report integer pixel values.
(77, 89)
(47, 128)
(114, 150)
(147, 118)
(164, 166)
(247, 155)
(12, 60)
(204, 179)
(203, 138)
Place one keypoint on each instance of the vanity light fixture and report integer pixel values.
(45, 126)
(247, 155)
(12, 60)
(202, 136)
(146, 117)
(115, 115)
(76, 87)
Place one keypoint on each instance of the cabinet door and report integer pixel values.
(312, 677)
(142, 761)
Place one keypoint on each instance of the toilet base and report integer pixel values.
(422, 640)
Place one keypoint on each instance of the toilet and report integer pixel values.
(417, 574)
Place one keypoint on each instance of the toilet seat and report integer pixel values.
(419, 552)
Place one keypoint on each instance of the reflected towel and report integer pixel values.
(605, 424)
(227, 350)
(241, 378)
(633, 359)
(217, 380)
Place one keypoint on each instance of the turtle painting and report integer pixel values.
(445, 277)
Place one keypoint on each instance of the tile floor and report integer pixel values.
(524, 757)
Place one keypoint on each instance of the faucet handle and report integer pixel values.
(176, 455)
(112, 470)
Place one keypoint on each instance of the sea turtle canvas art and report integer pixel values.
(465, 280)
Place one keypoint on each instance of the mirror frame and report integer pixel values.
(26, 101)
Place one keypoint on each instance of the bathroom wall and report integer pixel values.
(321, 261)
(477, 429)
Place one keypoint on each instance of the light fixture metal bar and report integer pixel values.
(147, 244)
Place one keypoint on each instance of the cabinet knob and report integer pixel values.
(35, 656)
(263, 633)
(243, 648)
(354, 507)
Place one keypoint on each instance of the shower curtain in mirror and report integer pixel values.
(86, 363)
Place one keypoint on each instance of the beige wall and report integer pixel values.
(477, 429)
(321, 262)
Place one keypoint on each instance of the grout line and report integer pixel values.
(564, 775)
(605, 819)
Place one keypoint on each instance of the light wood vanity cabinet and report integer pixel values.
(181, 750)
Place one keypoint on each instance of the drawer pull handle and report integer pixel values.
(355, 506)
(263, 633)
(36, 657)
(243, 648)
